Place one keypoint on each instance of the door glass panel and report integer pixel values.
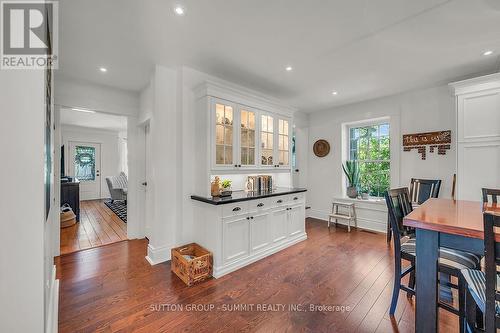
(283, 137)
(251, 156)
(223, 134)
(247, 136)
(266, 157)
(85, 163)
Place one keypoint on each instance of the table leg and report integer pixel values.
(426, 276)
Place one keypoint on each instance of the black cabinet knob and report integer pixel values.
(251, 217)
(248, 218)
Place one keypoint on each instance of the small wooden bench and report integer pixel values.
(347, 212)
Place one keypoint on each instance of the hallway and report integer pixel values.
(98, 226)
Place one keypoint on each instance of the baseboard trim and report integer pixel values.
(158, 255)
(221, 271)
(362, 223)
(53, 307)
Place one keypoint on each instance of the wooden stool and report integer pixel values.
(348, 214)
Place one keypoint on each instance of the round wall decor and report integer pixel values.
(321, 148)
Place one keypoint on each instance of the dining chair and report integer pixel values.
(423, 189)
(493, 192)
(420, 190)
(451, 262)
(481, 286)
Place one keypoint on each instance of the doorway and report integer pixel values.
(94, 179)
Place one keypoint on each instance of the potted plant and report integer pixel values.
(351, 171)
(226, 188)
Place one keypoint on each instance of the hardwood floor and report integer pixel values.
(113, 288)
(98, 226)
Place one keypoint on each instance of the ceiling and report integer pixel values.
(98, 120)
(361, 48)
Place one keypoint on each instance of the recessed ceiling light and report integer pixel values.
(179, 10)
(487, 53)
(83, 110)
(335, 93)
(103, 69)
(288, 68)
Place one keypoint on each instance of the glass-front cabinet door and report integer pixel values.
(224, 133)
(248, 137)
(283, 143)
(267, 131)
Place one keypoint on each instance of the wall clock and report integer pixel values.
(321, 148)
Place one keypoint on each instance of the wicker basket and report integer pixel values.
(191, 263)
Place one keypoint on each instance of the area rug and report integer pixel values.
(119, 208)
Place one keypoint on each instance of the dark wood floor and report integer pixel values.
(98, 226)
(113, 288)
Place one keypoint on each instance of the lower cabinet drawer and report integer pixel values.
(235, 209)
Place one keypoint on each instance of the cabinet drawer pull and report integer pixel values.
(235, 209)
(295, 198)
(260, 205)
(279, 201)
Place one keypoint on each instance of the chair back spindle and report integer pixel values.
(494, 193)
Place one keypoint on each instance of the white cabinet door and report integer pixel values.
(296, 220)
(278, 226)
(236, 238)
(267, 140)
(247, 132)
(259, 231)
(224, 136)
(283, 147)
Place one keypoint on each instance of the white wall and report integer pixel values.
(110, 150)
(25, 239)
(412, 112)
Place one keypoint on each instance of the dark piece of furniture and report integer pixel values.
(420, 190)
(455, 224)
(494, 193)
(482, 291)
(450, 261)
(70, 194)
(423, 189)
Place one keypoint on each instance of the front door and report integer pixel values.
(85, 165)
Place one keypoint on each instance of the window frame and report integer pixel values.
(365, 124)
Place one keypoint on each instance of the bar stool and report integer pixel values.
(347, 212)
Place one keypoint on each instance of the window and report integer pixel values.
(370, 146)
(85, 163)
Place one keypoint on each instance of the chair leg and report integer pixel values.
(411, 283)
(397, 285)
(461, 304)
(389, 230)
(112, 201)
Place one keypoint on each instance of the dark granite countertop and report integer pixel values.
(238, 196)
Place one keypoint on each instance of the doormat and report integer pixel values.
(119, 208)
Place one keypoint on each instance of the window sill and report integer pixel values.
(372, 201)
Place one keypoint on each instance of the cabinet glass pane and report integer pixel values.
(219, 154)
(264, 123)
(267, 157)
(244, 119)
(251, 156)
(251, 120)
(251, 138)
(223, 134)
(219, 113)
(244, 156)
(219, 134)
(228, 158)
(228, 135)
(283, 144)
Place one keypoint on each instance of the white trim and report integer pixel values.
(476, 84)
(53, 307)
(158, 255)
(361, 222)
(218, 272)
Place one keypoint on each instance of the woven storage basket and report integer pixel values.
(68, 219)
(191, 263)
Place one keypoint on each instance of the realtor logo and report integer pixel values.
(29, 38)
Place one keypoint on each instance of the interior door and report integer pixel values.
(85, 165)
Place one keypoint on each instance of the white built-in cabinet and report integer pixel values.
(478, 135)
(244, 132)
(240, 233)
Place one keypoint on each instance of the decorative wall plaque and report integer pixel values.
(321, 148)
(435, 140)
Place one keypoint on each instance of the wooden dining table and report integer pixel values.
(455, 224)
